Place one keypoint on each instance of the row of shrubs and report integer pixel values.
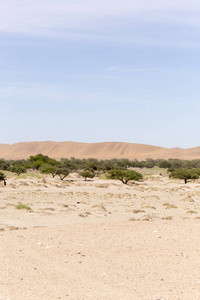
(35, 162)
(88, 168)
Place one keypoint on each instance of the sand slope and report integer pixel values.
(104, 150)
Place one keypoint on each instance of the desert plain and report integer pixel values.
(99, 239)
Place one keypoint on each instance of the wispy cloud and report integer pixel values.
(60, 97)
(86, 17)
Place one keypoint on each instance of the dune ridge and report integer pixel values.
(103, 150)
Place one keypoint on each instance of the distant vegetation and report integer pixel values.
(88, 168)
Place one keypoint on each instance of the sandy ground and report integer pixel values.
(99, 239)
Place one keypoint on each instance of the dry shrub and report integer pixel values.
(83, 215)
(188, 199)
(103, 186)
(2, 207)
(12, 228)
(48, 208)
(22, 206)
(133, 219)
(155, 196)
(168, 206)
(146, 219)
(24, 183)
(149, 206)
(101, 207)
(191, 212)
(136, 211)
(43, 181)
(167, 218)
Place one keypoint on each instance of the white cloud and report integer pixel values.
(69, 17)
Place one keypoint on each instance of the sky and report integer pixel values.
(95, 71)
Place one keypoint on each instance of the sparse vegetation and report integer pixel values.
(33, 174)
(22, 206)
(48, 165)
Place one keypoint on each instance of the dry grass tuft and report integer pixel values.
(167, 218)
(136, 211)
(103, 186)
(188, 199)
(22, 206)
(191, 212)
(101, 207)
(133, 219)
(147, 218)
(83, 215)
(168, 206)
(149, 206)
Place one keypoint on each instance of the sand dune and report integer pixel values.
(104, 150)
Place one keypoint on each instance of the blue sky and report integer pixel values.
(95, 71)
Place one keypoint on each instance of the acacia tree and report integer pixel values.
(87, 174)
(124, 175)
(4, 165)
(164, 164)
(38, 160)
(62, 172)
(68, 164)
(184, 174)
(48, 169)
(3, 177)
(17, 169)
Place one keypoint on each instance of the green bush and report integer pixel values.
(124, 175)
(185, 174)
(87, 174)
(22, 206)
